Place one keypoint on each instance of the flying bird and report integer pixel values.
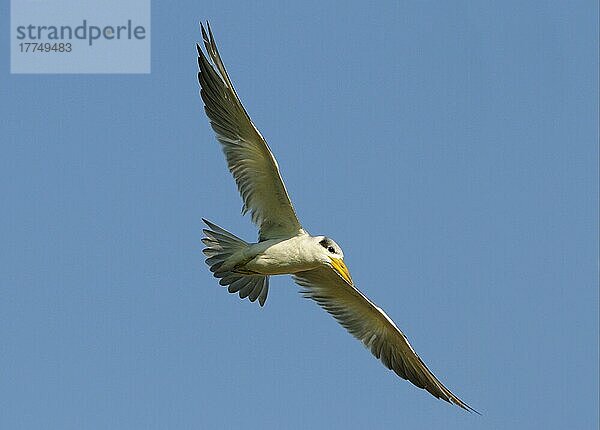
(316, 263)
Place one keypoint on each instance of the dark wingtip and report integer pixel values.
(204, 35)
(473, 410)
(466, 407)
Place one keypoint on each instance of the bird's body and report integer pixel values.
(276, 256)
(283, 256)
(316, 263)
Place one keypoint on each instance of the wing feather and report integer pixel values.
(371, 325)
(248, 155)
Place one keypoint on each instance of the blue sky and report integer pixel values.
(450, 148)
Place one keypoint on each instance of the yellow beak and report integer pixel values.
(340, 267)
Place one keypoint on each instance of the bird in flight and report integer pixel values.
(316, 263)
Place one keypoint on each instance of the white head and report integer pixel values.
(331, 254)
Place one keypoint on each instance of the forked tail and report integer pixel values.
(220, 246)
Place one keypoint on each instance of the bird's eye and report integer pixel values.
(331, 249)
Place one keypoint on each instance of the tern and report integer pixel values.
(316, 263)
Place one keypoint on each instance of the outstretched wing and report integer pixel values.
(370, 324)
(248, 156)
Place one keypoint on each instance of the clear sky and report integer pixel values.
(450, 148)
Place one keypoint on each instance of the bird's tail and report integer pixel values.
(220, 246)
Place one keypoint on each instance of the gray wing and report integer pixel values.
(370, 324)
(248, 156)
